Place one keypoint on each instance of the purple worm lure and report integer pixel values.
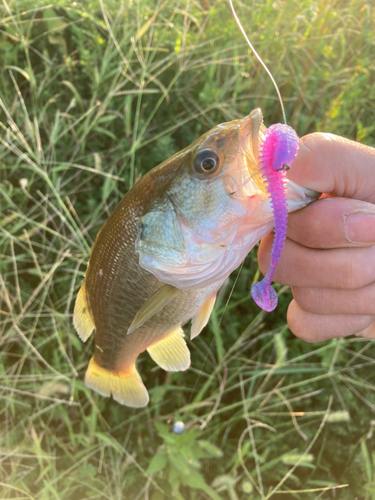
(276, 154)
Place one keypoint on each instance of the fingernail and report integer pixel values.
(360, 227)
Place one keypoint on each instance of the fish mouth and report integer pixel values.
(298, 197)
(251, 130)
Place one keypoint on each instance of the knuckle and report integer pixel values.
(351, 275)
(368, 332)
(358, 268)
(298, 323)
(309, 299)
(358, 323)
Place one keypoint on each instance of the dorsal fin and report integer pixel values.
(171, 353)
(201, 319)
(82, 320)
(153, 305)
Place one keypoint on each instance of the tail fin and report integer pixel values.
(126, 388)
(82, 320)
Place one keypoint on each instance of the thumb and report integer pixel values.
(334, 165)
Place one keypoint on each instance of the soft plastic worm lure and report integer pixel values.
(277, 152)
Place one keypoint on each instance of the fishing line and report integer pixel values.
(187, 414)
(210, 346)
(259, 58)
(231, 293)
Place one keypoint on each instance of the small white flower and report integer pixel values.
(178, 427)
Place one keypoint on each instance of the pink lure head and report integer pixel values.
(278, 148)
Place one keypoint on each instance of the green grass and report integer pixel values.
(93, 95)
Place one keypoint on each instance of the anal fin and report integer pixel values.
(201, 319)
(171, 353)
(82, 320)
(126, 388)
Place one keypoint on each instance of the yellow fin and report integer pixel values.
(153, 305)
(126, 388)
(171, 353)
(201, 319)
(82, 320)
(257, 129)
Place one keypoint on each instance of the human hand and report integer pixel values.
(329, 254)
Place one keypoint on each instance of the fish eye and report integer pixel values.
(206, 163)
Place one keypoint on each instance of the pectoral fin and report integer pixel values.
(82, 320)
(258, 128)
(201, 319)
(171, 353)
(126, 388)
(153, 305)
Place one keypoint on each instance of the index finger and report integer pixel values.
(331, 164)
(333, 223)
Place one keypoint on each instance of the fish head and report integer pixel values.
(212, 209)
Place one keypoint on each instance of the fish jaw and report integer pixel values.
(202, 229)
(298, 196)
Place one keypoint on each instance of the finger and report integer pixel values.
(335, 301)
(331, 164)
(318, 327)
(306, 267)
(333, 223)
(368, 333)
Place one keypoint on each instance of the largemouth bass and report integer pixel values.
(165, 251)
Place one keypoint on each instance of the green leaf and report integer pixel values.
(301, 459)
(211, 449)
(53, 21)
(338, 416)
(104, 131)
(24, 73)
(161, 428)
(158, 462)
(107, 118)
(197, 481)
(180, 464)
(164, 433)
(108, 186)
(157, 495)
(366, 460)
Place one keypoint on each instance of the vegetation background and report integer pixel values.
(94, 94)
